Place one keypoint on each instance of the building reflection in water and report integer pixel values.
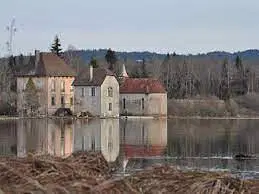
(143, 137)
(60, 137)
(98, 135)
(131, 138)
(137, 143)
(8, 138)
(42, 136)
(141, 140)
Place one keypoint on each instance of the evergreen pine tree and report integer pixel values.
(144, 69)
(111, 59)
(242, 75)
(94, 63)
(31, 96)
(225, 81)
(56, 46)
(21, 60)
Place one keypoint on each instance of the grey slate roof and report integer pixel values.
(99, 74)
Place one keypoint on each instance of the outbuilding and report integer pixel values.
(143, 97)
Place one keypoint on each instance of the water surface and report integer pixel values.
(135, 144)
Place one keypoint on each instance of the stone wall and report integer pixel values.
(143, 104)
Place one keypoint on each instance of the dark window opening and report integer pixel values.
(71, 101)
(53, 103)
(62, 100)
(142, 102)
(110, 92)
(93, 91)
(110, 106)
(124, 103)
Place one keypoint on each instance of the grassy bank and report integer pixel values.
(202, 108)
(246, 106)
(3, 118)
(90, 173)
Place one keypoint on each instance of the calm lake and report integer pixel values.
(139, 143)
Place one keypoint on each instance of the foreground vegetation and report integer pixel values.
(90, 173)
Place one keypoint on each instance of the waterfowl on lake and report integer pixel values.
(243, 157)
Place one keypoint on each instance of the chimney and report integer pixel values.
(91, 72)
(37, 58)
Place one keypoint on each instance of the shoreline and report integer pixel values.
(214, 118)
(4, 118)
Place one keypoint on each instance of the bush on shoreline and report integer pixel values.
(202, 108)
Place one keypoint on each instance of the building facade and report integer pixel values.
(45, 86)
(98, 135)
(96, 93)
(142, 97)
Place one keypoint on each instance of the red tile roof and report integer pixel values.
(141, 85)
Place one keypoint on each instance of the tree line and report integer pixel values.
(183, 77)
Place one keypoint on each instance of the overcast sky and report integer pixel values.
(184, 26)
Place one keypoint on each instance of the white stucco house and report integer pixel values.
(96, 91)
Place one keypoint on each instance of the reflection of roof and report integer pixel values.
(141, 85)
(49, 65)
(99, 74)
(143, 151)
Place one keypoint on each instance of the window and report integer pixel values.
(110, 106)
(110, 146)
(142, 102)
(93, 91)
(71, 101)
(24, 85)
(38, 83)
(93, 144)
(82, 92)
(110, 92)
(53, 102)
(124, 103)
(62, 100)
(63, 86)
(53, 85)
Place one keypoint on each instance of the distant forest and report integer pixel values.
(219, 74)
(216, 74)
(86, 55)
